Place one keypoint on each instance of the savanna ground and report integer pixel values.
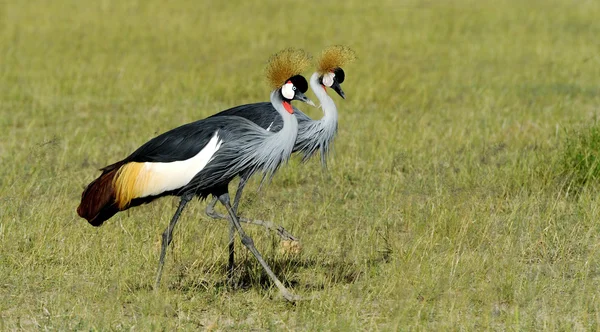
(461, 193)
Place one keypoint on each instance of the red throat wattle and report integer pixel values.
(288, 107)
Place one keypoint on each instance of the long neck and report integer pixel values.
(286, 137)
(318, 134)
(330, 114)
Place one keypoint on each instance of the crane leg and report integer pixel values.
(236, 202)
(238, 193)
(210, 211)
(167, 236)
(231, 261)
(282, 232)
(249, 243)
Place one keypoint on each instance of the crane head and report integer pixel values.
(333, 79)
(330, 67)
(294, 89)
(283, 73)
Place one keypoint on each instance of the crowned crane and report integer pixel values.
(202, 157)
(313, 135)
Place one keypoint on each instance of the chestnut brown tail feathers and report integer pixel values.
(98, 202)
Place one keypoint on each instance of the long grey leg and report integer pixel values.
(282, 232)
(210, 211)
(231, 262)
(167, 236)
(238, 193)
(249, 243)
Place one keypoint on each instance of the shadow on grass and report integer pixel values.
(288, 269)
(249, 274)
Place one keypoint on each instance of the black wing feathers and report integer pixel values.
(263, 114)
(177, 144)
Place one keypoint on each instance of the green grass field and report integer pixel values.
(461, 195)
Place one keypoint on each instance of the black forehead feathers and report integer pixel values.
(339, 75)
(299, 82)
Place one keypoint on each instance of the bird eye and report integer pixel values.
(293, 88)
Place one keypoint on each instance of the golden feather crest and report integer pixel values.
(334, 57)
(285, 64)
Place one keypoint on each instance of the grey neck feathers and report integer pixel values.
(318, 134)
(330, 114)
(287, 135)
(277, 147)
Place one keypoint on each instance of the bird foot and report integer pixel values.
(290, 247)
(293, 298)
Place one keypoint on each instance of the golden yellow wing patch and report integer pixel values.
(129, 183)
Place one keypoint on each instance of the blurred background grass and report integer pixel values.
(453, 199)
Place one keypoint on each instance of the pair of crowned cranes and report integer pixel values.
(202, 157)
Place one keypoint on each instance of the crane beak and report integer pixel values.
(303, 98)
(338, 88)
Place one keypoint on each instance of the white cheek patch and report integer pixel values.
(328, 79)
(287, 90)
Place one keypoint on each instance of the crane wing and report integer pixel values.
(263, 114)
(180, 143)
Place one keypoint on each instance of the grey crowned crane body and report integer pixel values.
(201, 158)
(313, 135)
